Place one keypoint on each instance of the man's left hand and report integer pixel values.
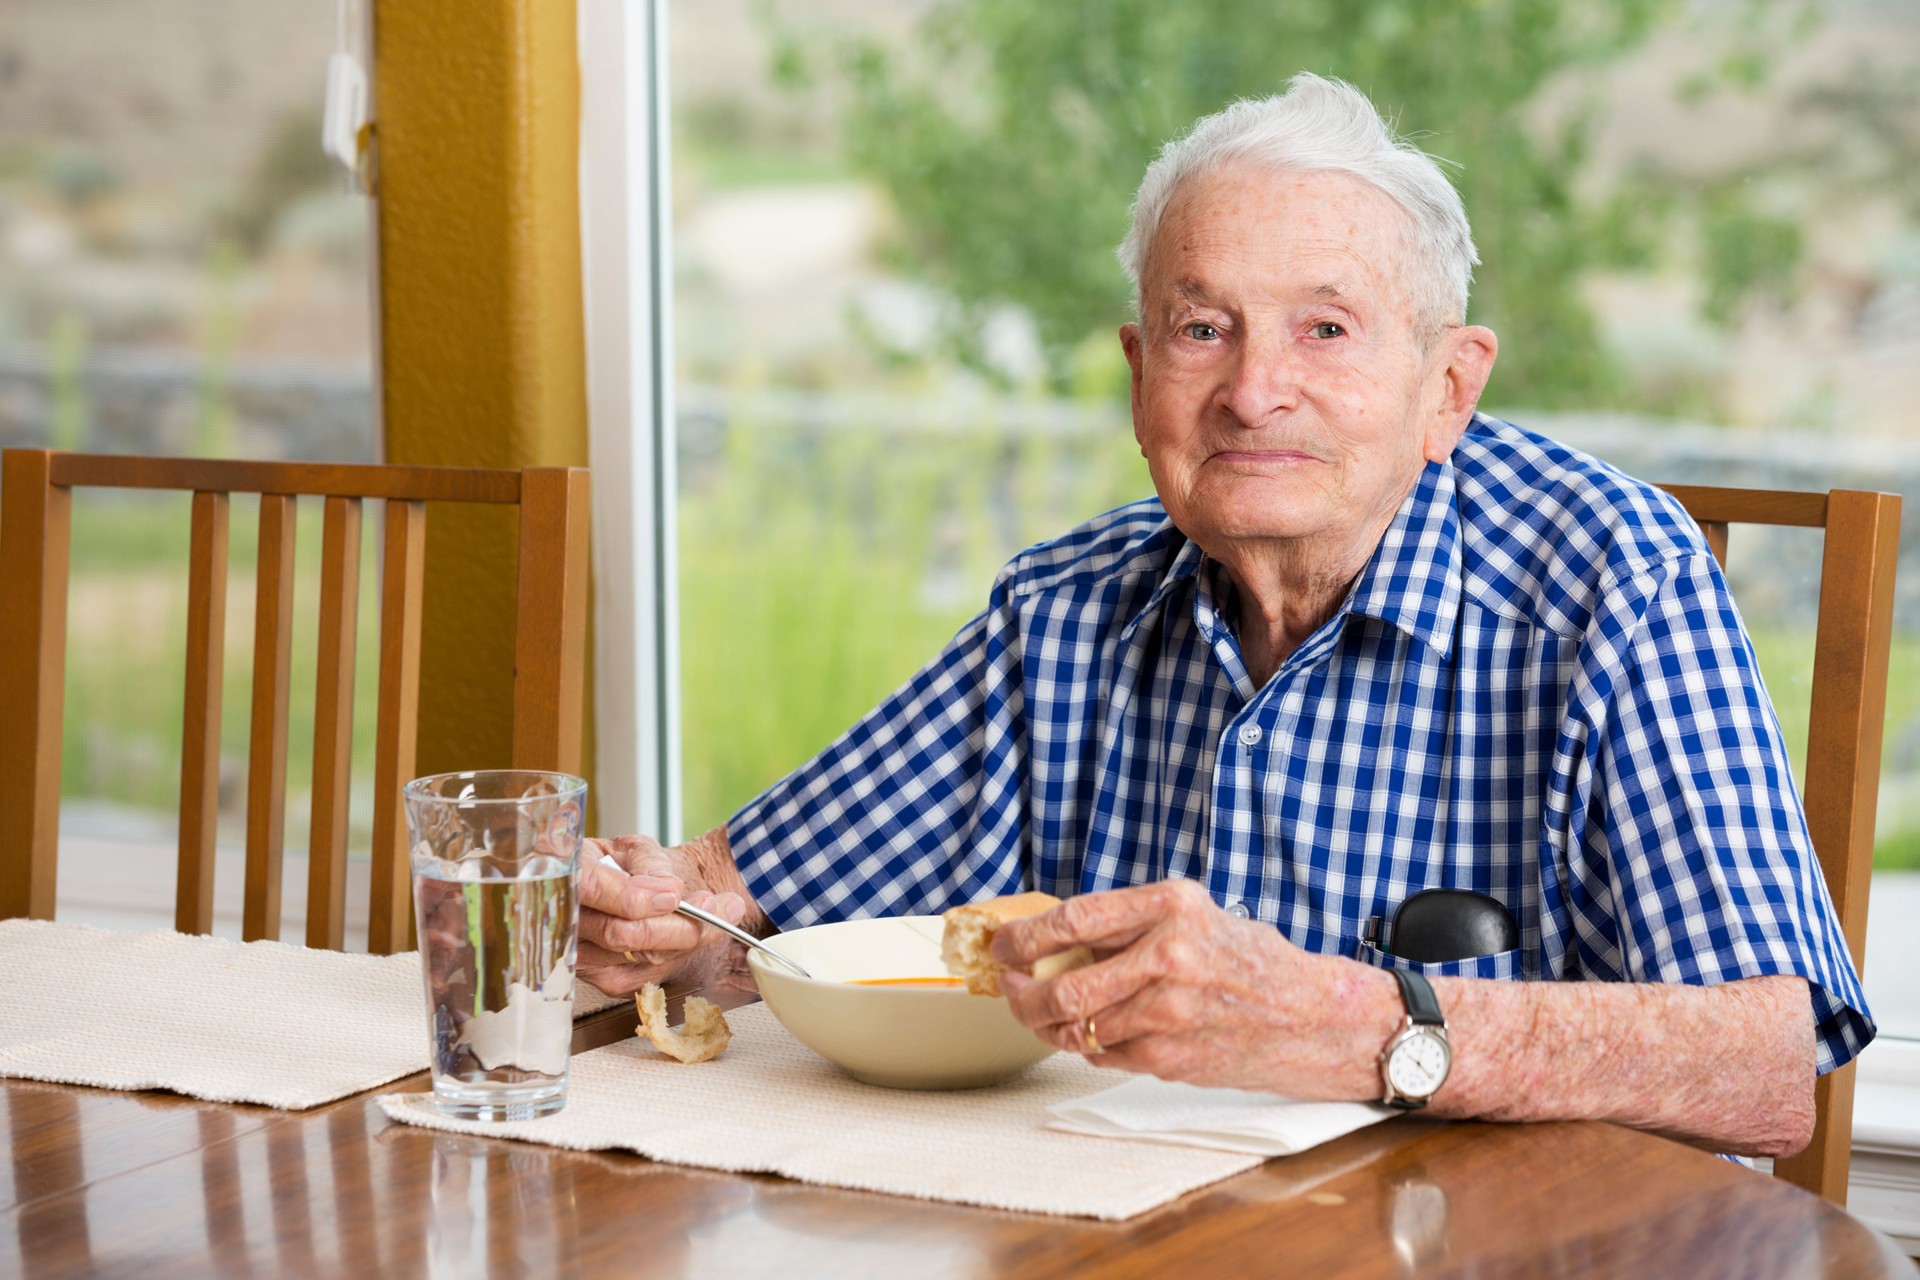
(1184, 991)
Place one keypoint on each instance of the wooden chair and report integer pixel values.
(549, 657)
(1851, 645)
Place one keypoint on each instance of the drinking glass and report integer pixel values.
(496, 859)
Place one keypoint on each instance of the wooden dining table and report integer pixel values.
(102, 1183)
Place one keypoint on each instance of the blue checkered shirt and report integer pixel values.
(1538, 688)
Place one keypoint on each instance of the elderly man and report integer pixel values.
(1366, 642)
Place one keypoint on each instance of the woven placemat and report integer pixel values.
(263, 1022)
(771, 1105)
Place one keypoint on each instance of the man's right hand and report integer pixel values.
(630, 913)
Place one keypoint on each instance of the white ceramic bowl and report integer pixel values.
(900, 1037)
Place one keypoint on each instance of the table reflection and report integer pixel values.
(491, 1201)
(223, 1193)
(51, 1231)
(1418, 1221)
(143, 1184)
(824, 1232)
(289, 1198)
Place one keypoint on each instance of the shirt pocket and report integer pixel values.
(1501, 965)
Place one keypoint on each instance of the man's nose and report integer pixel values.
(1263, 380)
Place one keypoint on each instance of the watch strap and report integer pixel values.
(1423, 1007)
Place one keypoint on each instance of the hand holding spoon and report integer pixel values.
(732, 931)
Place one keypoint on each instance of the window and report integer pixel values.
(855, 461)
(895, 299)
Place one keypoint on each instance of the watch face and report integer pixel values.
(1418, 1066)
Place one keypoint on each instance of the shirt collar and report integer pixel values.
(1184, 567)
(1413, 580)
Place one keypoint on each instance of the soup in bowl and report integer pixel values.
(881, 1006)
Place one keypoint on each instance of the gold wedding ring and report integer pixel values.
(1093, 1037)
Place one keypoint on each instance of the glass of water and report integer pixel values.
(496, 857)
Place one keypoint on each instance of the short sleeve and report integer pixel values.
(921, 804)
(1696, 865)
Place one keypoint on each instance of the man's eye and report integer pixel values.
(1201, 331)
(1327, 329)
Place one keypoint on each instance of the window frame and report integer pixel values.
(626, 254)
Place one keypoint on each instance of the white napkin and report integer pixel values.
(1184, 1115)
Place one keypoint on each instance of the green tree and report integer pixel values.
(1011, 135)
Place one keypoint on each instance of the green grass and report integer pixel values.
(817, 575)
(1898, 852)
(742, 167)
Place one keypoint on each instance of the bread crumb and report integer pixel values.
(700, 1038)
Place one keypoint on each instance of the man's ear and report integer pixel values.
(1130, 342)
(1463, 364)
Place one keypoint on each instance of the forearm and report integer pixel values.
(712, 858)
(1185, 993)
(1728, 1067)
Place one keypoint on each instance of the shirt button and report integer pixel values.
(1238, 910)
(1249, 734)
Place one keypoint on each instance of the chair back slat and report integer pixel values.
(1852, 645)
(333, 723)
(549, 651)
(317, 479)
(1709, 503)
(1824, 1164)
(402, 587)
(1852, 648)
(35, 520)
(267, 737)
(550, 642)
(1716, 534)
(200, 721)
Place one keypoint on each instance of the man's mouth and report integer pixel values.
(1263, 457)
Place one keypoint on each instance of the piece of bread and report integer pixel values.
(964, 946)
(700, 1038)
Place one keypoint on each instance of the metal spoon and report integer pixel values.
(739, 935)
(732, 931)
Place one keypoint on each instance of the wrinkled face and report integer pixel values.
(1281, 393)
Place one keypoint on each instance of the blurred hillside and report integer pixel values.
(162, 186)
(159, 93)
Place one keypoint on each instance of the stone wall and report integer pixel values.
(155, 403)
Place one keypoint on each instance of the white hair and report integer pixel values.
(1323, 126)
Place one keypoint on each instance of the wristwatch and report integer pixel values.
(1415, 1062)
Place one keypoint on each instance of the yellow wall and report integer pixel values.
(482, 356)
